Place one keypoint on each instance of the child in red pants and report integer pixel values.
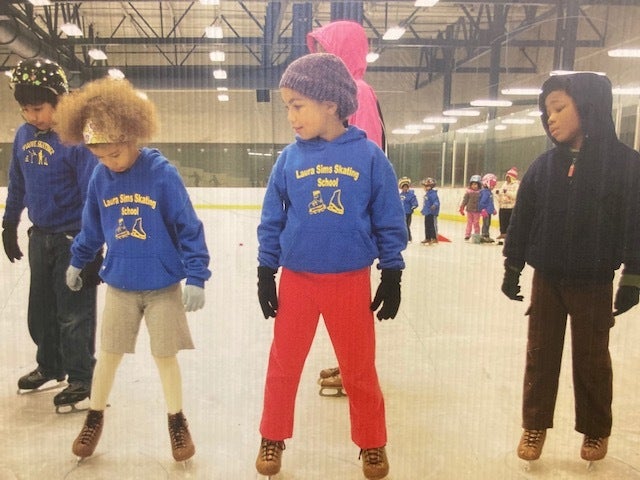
(331, 208)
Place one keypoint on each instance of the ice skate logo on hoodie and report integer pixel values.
(317, 205)
(136, 231)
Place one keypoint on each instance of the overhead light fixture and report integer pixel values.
(394, 33)
(521, 91)
(626, 90)
(217, 56)
(222, 89)
(571, 72)
(420, 126)
(97, 54)
(500, 127)
(625, 52)
(404, 131)
(534, 113)
(210, 2)
(213, 31)
(115, 73)
(425, 3)
(223, 97)
(470, 130)
(40, 3)
(518, 121)
(440, 119)
(220, 74)
(461, 112)
(372, 57)
(487, 102)
(71, 30)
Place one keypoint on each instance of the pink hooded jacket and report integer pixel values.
(348, 40)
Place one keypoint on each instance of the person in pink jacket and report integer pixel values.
(348, 40)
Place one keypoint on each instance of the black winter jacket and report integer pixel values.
(579, 229)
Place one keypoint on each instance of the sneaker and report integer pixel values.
(594, 448)
(87, 441)
(502, 236)
(269, 459)
(531, 442)
(74, 393)
(466, 238)
(181, 443)
(36, 379)
(374, 462)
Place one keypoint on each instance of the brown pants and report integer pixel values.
(589, 308)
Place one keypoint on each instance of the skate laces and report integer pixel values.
(178, 429)
(593, 442)
(372, 456)
(91, 426)
(532, 437)
(270, 450)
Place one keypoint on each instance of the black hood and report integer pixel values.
(592, 94)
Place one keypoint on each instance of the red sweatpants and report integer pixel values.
(343, 300)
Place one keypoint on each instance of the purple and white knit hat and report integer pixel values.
(323, 77)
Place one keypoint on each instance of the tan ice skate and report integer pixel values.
(87, 441)
(181, 443)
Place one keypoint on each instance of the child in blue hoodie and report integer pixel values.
(137, 204)
(50, 180)
(430, 210)
(486, 206)
(331, 208)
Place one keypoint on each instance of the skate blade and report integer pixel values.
(74, 407)
(45, 387)
(337, 392)
(529, 465)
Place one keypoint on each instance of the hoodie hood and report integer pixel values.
(345, 39)
(594, 100)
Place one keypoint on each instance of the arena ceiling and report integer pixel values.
(163, 44)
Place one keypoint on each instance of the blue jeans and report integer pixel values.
(62, 323)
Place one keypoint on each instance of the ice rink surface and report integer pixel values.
(450, 365)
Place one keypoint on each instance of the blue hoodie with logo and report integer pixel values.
(332, 207)
(145, 216)
(49, 179)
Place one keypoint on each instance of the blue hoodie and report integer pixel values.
(154, 238)
(49, 179)
(332, 207)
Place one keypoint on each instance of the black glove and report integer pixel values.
(388, 294)
(10, 241)
(511, 283)
(267, 291)
(626, 297)
(91, 272)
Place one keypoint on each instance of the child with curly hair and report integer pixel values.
(138, 205)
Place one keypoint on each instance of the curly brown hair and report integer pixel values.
(112, 106)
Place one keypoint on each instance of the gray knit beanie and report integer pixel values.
(323, 77)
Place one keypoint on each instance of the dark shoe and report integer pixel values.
(74, 393)
(181, 443)
(594, 448)
(531, 442)
(374, 463)
(269, 459)
(87, 441)
(36, 379)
